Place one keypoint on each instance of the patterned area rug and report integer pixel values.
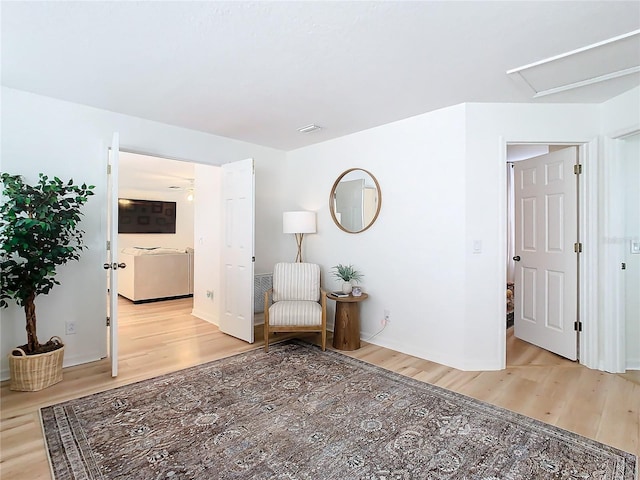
(300, 413)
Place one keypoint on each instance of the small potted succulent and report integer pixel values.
(39, 231)
(348, 275)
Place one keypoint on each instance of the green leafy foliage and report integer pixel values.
(346, 273)
(38, 232)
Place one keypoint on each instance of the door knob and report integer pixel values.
(115, 265)
(516, 258)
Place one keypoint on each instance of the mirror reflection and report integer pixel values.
(355, 200)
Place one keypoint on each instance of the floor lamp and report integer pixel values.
(299, 223)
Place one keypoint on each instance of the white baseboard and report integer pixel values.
(437, 357)
(402, 348)
(633, 364)
(258, 318)
(206, 316)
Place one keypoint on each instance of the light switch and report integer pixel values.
(477, 246)
(635, 246)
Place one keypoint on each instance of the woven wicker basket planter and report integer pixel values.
(30, 373)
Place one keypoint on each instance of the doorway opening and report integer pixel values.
(162, 262)
(542, 276)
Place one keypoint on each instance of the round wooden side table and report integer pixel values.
(346, 330)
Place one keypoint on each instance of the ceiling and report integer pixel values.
(257, 71)
(138, 173)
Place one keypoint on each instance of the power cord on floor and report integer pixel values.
(377, 333)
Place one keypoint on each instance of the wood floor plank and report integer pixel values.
(163, 337)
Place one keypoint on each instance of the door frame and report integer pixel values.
(112, 263)
(588, 200)
(613, 251)
(164, 157)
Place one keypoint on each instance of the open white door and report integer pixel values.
(546, 274)
(236, 306)
(112, 252)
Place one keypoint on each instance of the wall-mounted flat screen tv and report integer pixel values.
(146, 216)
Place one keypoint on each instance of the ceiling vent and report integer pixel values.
(309, 128)
(599, 62)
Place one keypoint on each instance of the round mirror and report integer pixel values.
(355, 200)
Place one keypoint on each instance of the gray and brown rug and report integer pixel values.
(300, 413)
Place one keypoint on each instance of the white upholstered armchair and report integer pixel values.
(296, 303)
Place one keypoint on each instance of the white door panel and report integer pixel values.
(547, 274)
(529, 294)
(236, 316)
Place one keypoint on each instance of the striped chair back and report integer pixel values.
(296, 281)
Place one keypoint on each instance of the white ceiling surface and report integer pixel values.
(257, 71)
(152, 174)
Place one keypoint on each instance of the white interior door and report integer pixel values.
(546, 274)
(236, 317)
(112, 251)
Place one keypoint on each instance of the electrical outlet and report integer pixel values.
(387, 317)
(210, 294)
(70, 328)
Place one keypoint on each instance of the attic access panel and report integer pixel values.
(613, 58)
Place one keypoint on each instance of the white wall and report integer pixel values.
(41, 134)
(621, 114)
(412, 256)
(273, 196)
(489, 127)
(443, 185)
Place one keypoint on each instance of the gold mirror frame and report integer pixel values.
(332, 200)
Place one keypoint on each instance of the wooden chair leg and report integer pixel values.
(266, 319)
(323, 304)
(266, 331)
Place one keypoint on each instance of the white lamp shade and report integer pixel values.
(299, 222)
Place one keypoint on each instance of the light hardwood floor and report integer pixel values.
(162, 337)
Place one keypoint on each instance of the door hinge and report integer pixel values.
(577, 247)
(108, 321)
(577, 168)
(623, 266)
(108, 169)
(577, 326)
(253, 259)
(108, 245)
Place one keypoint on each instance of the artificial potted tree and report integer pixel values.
(39, 231)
